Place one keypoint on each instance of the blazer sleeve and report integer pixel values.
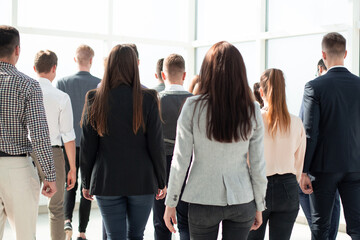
(257, 161)
(311, 123)
(88, 148)
(155, 143)
(182, 155)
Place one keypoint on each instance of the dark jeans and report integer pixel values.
(125, 217)
(236, 221)
(282, 207)
(161, 232)
(335, 217)
(70, 198)
(323, 197)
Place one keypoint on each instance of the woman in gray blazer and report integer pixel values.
(221, 126)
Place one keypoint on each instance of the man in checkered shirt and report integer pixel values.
(21, 113)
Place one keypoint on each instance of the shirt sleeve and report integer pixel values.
(182, 155)
(257, 161)
(66, 120)
(39, 132)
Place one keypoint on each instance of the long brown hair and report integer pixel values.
(225, 89)
(272, 82)
(121, 69)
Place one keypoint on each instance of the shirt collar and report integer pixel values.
(174, 87)
(44, 81)
(6, 65)
(337, 66)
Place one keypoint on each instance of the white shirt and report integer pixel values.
(59, 113)
(174, 87)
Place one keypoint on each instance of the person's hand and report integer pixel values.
(87, 195)
(305, 184)
(71, 179)
(258, 221)
(170, 216)
(161, 193)
(48, 189)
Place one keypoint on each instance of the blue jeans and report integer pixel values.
(125, 217)
(335, 217)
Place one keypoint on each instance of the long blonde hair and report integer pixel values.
(273, 84)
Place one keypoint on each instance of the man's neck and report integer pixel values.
(44, 76)
(337, 62)
(84, 68)
(8, 60)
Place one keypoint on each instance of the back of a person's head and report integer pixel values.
(272, 82)
(256, 90)
(159, 68)
(322, 64)
(334, 45)
(84, 54)
(174, 66)
(223, 83)
(44, 61)
(133, 46)
(9, 39)
(194, 85)
(121, 69)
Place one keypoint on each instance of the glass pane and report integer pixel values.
(149, 55)
(5, 12)
(307, 13)
(297, 57)
(80, 15)
(65, 50)
(227, 19)
(247, 50)
(158, 19)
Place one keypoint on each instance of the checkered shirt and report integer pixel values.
(22, 111)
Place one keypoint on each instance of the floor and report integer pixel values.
(94, 232)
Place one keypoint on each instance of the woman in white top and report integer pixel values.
(220, 125)
(284, 143)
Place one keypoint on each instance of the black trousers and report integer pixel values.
(161, 232)
(282, 207)
(322, 201)
(236, 221)
(70, 198)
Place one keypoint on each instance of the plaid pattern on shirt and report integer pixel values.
(22, 111)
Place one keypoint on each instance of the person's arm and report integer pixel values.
(88, 150)
(257, 161)
(300, 151)
(311, 125)
(68, 137)
(155, 143)
(40, 140)
(181, 160)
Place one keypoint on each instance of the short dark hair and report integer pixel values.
(44, 61)
(334, 44)
(174, 64)
(322, 64)
(159, 68)
(133, 46)
(9, 39)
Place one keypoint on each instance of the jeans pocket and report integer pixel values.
(203, 215)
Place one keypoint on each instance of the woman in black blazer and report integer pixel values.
(122, 158)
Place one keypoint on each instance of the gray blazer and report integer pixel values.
(219, 174)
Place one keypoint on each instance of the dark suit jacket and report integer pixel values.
(76, 86)
(332, 122)
(122, 163)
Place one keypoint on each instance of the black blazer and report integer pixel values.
(332, 122)
(122, 163)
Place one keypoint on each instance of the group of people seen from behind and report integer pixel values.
(216, 155)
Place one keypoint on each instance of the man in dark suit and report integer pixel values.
(332, 124)
(76, 86)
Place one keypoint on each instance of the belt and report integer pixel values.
(56, 146)
(3, 154)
